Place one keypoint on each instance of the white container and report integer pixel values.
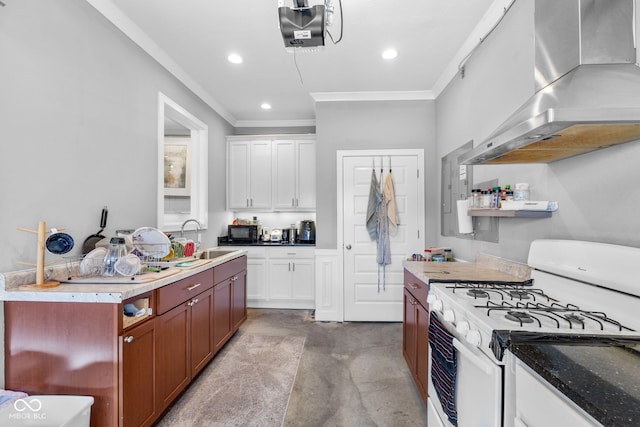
(521, 192)
(47, 411)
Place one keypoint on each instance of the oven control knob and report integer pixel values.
(474, 338)
(449, 316)
(431, 298)
(463, 327)
(437, 305)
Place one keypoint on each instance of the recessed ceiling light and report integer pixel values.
(235, 58)
(265, 106)
(389, 54)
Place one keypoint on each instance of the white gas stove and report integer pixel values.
(576, 288)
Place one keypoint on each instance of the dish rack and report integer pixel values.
(91, 267)
(153, 258)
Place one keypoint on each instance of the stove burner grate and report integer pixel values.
(519, 316)
(500, 291)
(477, 293)
(519, 294)
(561, 315)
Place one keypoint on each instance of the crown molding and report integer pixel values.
(273, 123)
(417, 95)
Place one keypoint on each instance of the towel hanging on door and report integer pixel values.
(392, 207)
(382, 220)
(375, 198)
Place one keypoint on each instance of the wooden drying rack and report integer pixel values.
(41, 232)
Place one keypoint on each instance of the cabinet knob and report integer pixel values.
(128, 339)
(348, 247)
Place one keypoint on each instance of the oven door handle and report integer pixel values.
(472, 357)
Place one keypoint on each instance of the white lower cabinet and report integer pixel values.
(256, 273)
(280, 276)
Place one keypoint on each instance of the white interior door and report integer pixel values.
(364, 300)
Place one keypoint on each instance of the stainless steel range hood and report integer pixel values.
(588, 86)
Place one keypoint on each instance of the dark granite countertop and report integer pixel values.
(600, 374)
(222, 241)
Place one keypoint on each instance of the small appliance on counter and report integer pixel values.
(276, 235)
(293, 234)
(244, 233)
(307, 231)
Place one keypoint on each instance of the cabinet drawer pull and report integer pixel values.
(128, 339)
(190, 288)
(414, 286)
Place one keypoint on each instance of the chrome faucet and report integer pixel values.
(198, 225)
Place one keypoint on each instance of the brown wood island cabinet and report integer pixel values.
(415, 329)
(134, 367)
(230, 300)
(184, 325)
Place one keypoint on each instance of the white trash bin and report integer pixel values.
(47, 411)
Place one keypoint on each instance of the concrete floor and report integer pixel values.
(350, 374)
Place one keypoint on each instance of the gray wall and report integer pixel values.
(78, 114)
(364, 126)
(598, 193)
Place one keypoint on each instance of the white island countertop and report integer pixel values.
(17, 286)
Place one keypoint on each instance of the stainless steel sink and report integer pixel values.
(213, 253)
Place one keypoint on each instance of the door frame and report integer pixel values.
(340, 156)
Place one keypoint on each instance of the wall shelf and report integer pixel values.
(509, 213)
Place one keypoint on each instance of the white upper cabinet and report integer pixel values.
(306, 175)
(294, 175)
(249, 175)
(271, 173)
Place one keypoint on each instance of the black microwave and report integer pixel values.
(244, 233)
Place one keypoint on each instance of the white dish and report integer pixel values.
(93, 262)
(151, 242)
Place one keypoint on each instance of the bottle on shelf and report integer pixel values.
(475, 198)
(495, 198)
(485, 199)
(503, 193)
(521, 192)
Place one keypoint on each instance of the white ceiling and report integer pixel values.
(192, 39)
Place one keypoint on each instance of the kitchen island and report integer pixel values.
(80, 339)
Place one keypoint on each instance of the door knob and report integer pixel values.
(348, 247)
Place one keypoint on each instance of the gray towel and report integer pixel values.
(375, 199)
